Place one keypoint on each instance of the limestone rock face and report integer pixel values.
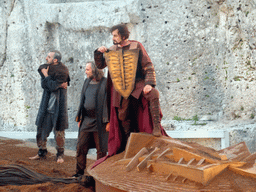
(30, 29)
(203, 52)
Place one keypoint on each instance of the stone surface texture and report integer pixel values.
(203, 53)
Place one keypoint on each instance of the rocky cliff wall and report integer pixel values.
(203, 53)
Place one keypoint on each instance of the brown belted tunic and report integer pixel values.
(145, 74)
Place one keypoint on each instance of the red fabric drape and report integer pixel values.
(114, 139)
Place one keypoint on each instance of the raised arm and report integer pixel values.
(99, 57)
(48, 83)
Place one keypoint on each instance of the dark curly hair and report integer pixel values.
(122, 30)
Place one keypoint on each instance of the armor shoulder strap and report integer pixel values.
(113, 48)
(134, 45)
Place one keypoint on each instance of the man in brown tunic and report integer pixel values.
(145, 81)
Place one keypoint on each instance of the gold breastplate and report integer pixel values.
(122, 66)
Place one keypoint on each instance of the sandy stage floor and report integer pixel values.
(17, 152)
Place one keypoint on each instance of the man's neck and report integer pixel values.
(124, 43)
(93, 81)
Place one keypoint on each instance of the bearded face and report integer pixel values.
(117, 39)
(49, 58)
(88, 70)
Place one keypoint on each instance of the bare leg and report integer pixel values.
(41, 139)
(60, 141)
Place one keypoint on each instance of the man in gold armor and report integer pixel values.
(132, 83)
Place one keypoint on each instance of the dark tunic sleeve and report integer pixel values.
(80, 108)
(147, 67)
(49, 84)
(57, 74)
(99, 60)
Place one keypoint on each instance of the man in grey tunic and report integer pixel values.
(52, 114)
(92, 117)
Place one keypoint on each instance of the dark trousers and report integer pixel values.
(44, 131)
(83, 145)
(128, 111)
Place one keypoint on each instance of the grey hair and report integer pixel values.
(97, 73)
(57, 55)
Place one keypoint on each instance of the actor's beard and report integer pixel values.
(90, 76)
(50, 63)
(117, 43)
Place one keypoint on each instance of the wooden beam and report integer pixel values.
(143, 163)
(135, 160)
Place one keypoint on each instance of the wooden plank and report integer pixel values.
(201, 161)
(175, 178)
(135, 160)
(149, 167)
(179, 153)
(184, 180)
(123, 161)
(191, 161)
(190, 172)
(136, 142)
(181, 159)
(250, 172)
(168, 177)
(251, 158)
(237, 152)
(164, 152)
(143, 163)
(211, 172)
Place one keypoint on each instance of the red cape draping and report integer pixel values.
(144, 125)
